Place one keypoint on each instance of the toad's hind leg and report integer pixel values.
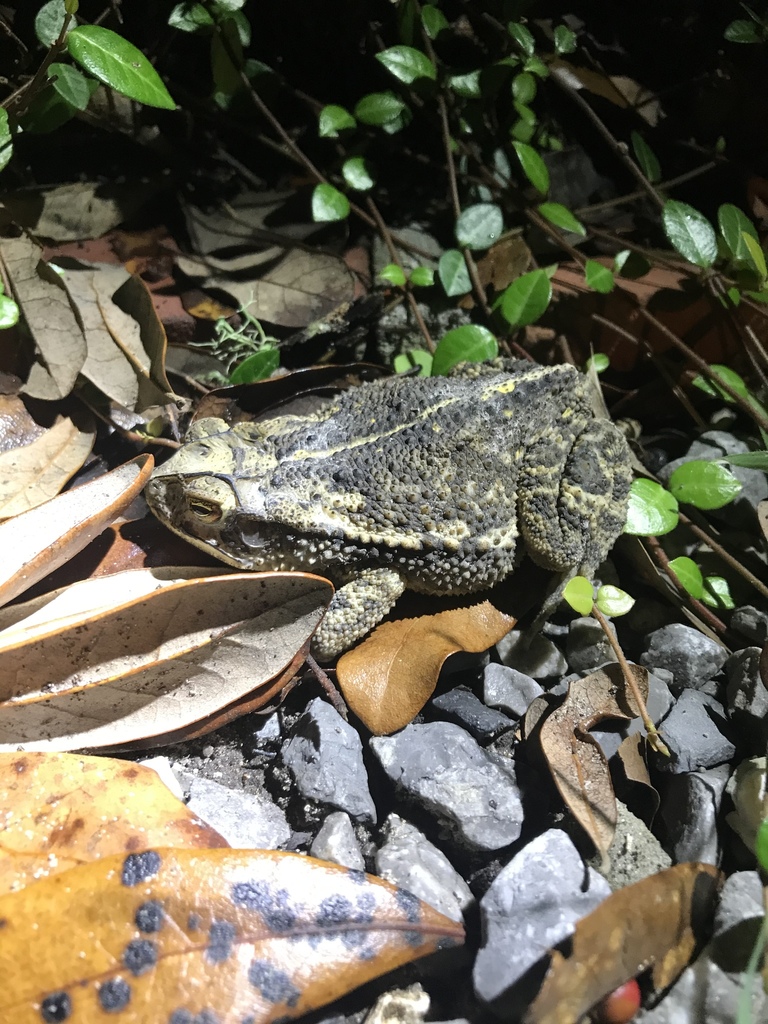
(573, 508)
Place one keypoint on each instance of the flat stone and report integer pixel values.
(445, 770)
(508, 690)
(536, 656)
(692, 658)
(588, 646)
(325, 755)
(752, 623)
(336, 841)
(692, 731)
(634, 853)
(690, 810)
(747, 696)
(248, 821)
(531, 905)
(461, 706)
(408, 859)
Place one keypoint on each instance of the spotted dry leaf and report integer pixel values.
(196, 936)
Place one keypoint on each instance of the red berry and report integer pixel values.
(621, 1005)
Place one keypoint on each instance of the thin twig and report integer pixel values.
(726, 556)
(701, 610)
(19, 102)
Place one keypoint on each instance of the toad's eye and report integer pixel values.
(208, 511)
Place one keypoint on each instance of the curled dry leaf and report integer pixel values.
(63, 810)
(657, 922)
(142, 654)
(36, 542)
(388, 678)
(226, 935)
(576, 760)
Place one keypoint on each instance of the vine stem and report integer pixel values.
(701, 609)
(654, 738)
(19, 102)
(726, 556)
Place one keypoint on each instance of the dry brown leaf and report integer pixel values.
(575, 758)
(148, 349)
(63, 810)
(657, 922)
(123, 658)
(39, 541)
(631, 757)
(50, 318)
(17, 425)
(617, 89)
(204, 935)
(388, 678)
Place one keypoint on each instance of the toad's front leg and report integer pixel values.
(356, 608)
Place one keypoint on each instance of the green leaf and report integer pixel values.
(422, 277)
(394, 274)
(526, 115)
(742, 31)
(756, 254)
(260, 365)
(690, 233)
(332, 120)
(433, 20)
(652, 509)
(533, 166)
(48, 22)
(631, 264)
(613, 601)
(561, 217)
(729, 376)
(356, 174)
(328, 204)
(704, 484)
(6, 140)
(479, 226)
(565, 40)
(750, 460)
(645, 157)
(453, 273)
(761, 844)
(471, 343)
(227, 59)
(524, 87)
(599, 362)
(379, 108)
(578, 593)
(522, 37)
(47, 112)
(414, 357)
(537, 67)
(70, 85)
(717, 593)
(689, 575)
(407, 64)
(9, 311)
(598, 278)
(733, 224)
(467, 85)
(118, 64)
(190, 17)
(522, 132)
(526, 298)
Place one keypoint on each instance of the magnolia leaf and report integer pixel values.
(198, 935)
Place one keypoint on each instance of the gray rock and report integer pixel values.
(588, 645)
(408, 859)
(461, 706)
(692, 731)
(746, 695)
(509, 690)
(532, 904)
(248, 821)
(441, 767)
(692, 658)
(690, 810)
(635, 852)
(326, 757)
(752, 623)
(336, 841)
(535, 656)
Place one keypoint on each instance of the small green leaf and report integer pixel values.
(356, 174)
(526, 298)
(118, 64)
(70, 85)
(613, 601)
(422, 277)
(379, 108)
(453, 273)
(332, 120)
(9, 311)
(690, 233)
(630, 264)
(561, 217)
(522, 132)
(537, 67)
(599, 362)
(524, 87)
(749, 460)
(756, 254)
(471, 343)
(522, 37)
(717, 593)
(742, 31)
(433, 20)
(527, 116)
(48, 22)
(578, 592)
(652, 509)
(689, 575)
(533, 166)
(48, 111)
(706, 485)
(645, 157)
(190, 17)
(407, 64)
(479, 226)
(414, 357)
(328, 204)
(565, 40)
(6, 140)
(393, 274)
(467, 85)
(598, 278)
(729, 376)
(733, 223)
(259, 366)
